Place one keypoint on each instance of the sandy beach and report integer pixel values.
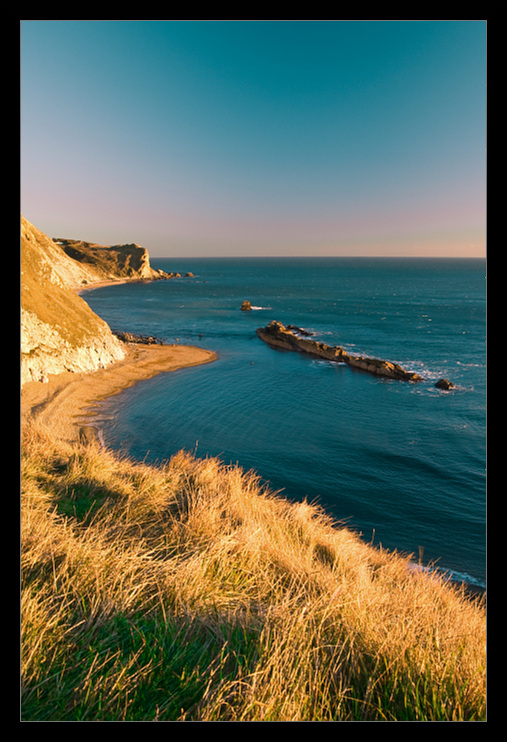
(65, 403)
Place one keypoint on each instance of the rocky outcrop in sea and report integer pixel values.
(292, 338)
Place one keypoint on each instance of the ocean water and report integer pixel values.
(404, 464)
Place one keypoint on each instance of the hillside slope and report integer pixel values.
(59, 331)
(191, 592)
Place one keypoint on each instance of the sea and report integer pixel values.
(401, 463)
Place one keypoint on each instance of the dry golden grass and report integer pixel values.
(187, 591)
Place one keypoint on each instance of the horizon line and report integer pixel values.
(318, 257)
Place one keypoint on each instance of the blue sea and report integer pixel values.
(404, 464)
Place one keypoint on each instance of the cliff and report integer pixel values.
(111, 263)
(59, 331)
(287, 338)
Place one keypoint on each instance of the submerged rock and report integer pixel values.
(278, 336)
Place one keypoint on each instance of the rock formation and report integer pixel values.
(112, 263)
(246, 306)
(444, 384)
(130, 337)
(278, 336)
(59, 331)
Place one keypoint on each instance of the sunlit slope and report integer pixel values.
(59, 331)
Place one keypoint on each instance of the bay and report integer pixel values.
(404, 464)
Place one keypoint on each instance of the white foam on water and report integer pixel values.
(451, 574)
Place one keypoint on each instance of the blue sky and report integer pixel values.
(218, 138)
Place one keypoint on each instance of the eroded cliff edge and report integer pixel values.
(59, 331)
(129, 262)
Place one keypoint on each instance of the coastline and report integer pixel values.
(100, 284)
(83, 288)
(64, 402)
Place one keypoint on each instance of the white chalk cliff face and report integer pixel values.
(59, 331)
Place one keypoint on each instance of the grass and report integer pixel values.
(188, 591)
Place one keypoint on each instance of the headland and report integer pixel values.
(70, 358)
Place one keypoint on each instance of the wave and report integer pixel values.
(451, 574)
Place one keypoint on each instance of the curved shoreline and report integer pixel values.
(65, 401)
(61, 403)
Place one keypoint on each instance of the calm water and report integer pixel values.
(402, 463)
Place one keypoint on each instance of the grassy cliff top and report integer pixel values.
(187, 591)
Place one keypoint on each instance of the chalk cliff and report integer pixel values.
(59, 331)
(129, 262)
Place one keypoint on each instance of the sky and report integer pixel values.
(257, 138)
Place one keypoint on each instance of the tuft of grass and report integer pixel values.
(188, 591)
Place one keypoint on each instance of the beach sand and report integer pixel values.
(65, 403)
